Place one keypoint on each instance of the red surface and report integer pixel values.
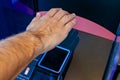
(90, 27)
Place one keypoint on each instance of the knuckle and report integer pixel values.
(73, 22)
(63, 11)
(71, 15)
(68, 16)
(65, 17)
(67, 12)
(69, 25)
(54, 9)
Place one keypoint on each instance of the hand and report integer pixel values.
(52, 28)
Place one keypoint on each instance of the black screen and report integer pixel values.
(54, 59)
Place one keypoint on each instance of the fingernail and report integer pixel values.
(37, 14)
(74, 14)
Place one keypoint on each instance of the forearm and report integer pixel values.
(16, 52)
(43, 34)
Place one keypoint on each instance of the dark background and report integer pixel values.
(103, 12)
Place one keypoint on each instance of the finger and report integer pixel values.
(52, 12)
(67, 18)
(60, 14)
(38, 14)
(70, 24)
(37, 17)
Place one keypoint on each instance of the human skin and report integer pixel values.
(42, 34)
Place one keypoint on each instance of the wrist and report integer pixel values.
(38, 45)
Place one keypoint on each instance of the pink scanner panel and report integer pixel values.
(90, 27)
